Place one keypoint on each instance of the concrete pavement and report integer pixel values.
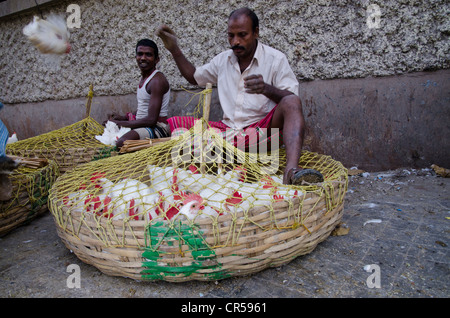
(396, 246)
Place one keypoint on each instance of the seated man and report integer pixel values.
(256, 87)
(153, 93)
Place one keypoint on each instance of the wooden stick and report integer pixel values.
(33, 163)
(207, 105)
(89, 101)
(206, 109)
(88, 107)
(134, 145)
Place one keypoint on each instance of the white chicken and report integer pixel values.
(220, 194)
(76, 200)
(197, 182)
(192, 205)
(101, 183)
(111, 133)
(85, 202)
(192, 180)
(279, 191)
(210, 211)
(151, 204)
(238, 174)
(127, 197)
(48, 36)
(216, 195)
(162, 182)
(175, 192)
(268, 190)
(12, 139)
(245, 191)
(288, 194)
(175, 183)
(99, 205)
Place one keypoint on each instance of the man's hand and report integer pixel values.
(168, 37)
(254, 84)
(170, 42)
(114, 117)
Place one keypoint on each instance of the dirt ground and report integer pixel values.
(393, 242)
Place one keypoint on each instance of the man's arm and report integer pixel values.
(170, 42)
(254, 84)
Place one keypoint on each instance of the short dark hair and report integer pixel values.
(150, 43)
(248, 12)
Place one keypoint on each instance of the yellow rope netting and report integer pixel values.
(50, 154)
(204, 99)
(196, 178)
(30, 189)
(68, 146)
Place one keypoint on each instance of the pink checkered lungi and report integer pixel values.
(251, 135)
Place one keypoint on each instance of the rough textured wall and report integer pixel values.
(322, 39)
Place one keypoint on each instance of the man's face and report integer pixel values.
(145, 58)
(241, 37)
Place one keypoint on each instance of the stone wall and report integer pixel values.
(322, 39)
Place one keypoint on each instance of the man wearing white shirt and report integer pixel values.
(256, 87)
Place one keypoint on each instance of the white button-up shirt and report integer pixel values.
(241, 109)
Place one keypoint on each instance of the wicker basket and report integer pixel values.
(239, 244)
(67, 157)
(30, 189)
(68, 147)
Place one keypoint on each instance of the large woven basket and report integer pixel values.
(30, 196)
(207, 249)
(67, 147)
